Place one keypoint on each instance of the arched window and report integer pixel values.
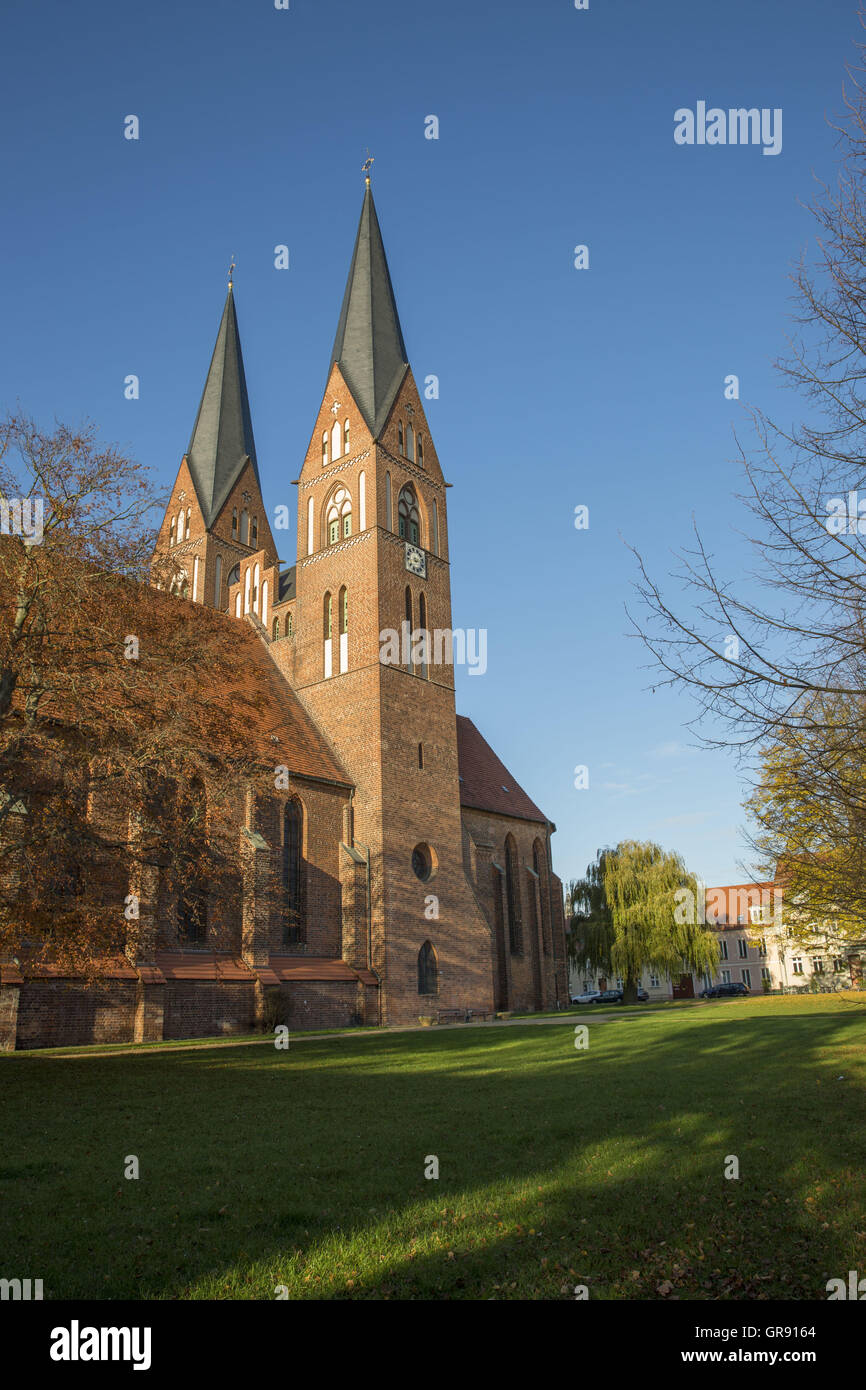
(326, 614)
(435, 527)
(539, 863)
(422, 623)
(409, 608)
(409, 516)
(324, 448)
(196, 565)
(338, 516)
(218, 583)
(245, 526)
(237, 605)
(343, 620)
(290, 626)
(191, 891)
(400, 435)
(180, 525)
(336, 440)
(255, 599)
(420, 450)
(171, 532)
(293, 873)
(410, 443)
(186, 531)
(389, 520)
(311, 512)
(247, 583)
(420, 755)
(234, 523)
(346, 435)
(428, 970)
(512, 893)
(255, 531)
(276, 632)
(362, 501)
(265, 603)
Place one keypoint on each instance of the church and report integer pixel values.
(417, 877)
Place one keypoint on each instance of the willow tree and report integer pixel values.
(626, 916)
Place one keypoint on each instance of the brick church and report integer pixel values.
(417, 874)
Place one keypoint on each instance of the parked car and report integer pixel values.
(608, 996)
(724, 991)
(589, 996)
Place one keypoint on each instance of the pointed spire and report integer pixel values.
(369, 347)
(222, 438)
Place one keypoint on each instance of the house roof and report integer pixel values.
(222, 437)
(369, 347)
(485, 782)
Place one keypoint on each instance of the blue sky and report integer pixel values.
(558, 387)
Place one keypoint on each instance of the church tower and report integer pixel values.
(373, 560)
(216, 517)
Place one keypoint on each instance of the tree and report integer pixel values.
(120, 752)
(625, 916)
(777, 661)
(808, 814)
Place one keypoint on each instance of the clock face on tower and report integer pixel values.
(416, 561)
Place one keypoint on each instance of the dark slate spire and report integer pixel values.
(369, 347)
(222, 437)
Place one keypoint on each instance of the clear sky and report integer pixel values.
(558, 387)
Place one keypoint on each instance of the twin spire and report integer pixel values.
(369, 350)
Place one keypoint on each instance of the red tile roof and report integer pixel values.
(485, 782)
(317, 968)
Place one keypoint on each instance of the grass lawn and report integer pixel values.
(557, 1167)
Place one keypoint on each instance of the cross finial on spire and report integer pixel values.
(367, 165)
(231, 272)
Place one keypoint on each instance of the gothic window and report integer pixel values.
(171, 533)
(255, 531)
(191, 891)
(410, 443)
(346, 436)
(344, 610)
(336, 443)
(400, 435)
(339, 515)
(245, 526)
(292, 873)
(186, 531)
(539, 863)
(218, 582)
(237, 605)
(420, 755)
(180, 525)
(435, 527)
(247, 583)
(327, 616)
(276, 631)
(512, 892)
(290, 626)
(255, 597)
(420, 450)
(409, 516)
(324, 448)
(428, 970)
(409, 608)
(234, 523)
(422, 623)
(389, 522)
(265, 603)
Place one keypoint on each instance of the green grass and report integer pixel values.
(305, 1168)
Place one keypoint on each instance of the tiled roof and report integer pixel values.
(317, 968)
(485, 782)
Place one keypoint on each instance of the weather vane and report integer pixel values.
(367, 165)
(231, 272)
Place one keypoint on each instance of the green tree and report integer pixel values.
(626, 914)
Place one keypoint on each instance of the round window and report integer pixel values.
(422, 862)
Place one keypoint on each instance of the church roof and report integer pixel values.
(222, 437)
(369, 347)
(485, 782)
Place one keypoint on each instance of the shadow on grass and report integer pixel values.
(557, 1167)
